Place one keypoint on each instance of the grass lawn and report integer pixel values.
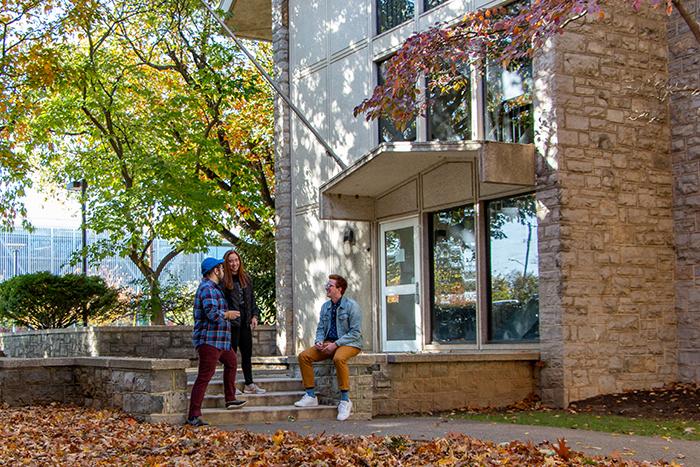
(677, 429)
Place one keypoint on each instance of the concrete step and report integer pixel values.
(259, 371)
(270, 384)
(246, 414)
(270, 399)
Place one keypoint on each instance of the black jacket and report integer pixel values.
(233, 300)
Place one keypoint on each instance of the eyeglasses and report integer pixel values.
(329, 285)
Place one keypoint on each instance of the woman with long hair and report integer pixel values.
(238, 290)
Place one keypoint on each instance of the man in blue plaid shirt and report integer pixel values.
(212, 339)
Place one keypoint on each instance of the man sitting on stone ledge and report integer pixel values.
(338, 336)
(212, 339)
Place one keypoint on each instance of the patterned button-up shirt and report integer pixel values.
(210, 327)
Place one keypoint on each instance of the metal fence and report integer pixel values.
(50, 249)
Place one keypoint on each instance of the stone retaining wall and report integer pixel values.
(119, 341)
(155, 390)
(391, 384)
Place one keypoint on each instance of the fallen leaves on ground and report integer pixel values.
(76, 436)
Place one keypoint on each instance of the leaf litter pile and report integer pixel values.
(69, 435)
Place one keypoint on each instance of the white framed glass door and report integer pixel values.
(401, 328)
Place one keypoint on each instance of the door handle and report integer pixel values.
(417, 294)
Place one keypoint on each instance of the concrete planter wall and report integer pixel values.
(155, 390)
(119, 341)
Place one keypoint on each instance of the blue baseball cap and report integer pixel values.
(210, 263)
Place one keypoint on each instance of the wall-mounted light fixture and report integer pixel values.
(349, 236)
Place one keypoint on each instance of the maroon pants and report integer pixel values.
(208, 358)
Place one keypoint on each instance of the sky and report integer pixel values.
(52, 212)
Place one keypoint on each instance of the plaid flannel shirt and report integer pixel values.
(210, 327)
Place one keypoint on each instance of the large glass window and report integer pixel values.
(391, 13)
(388, 130)
(453, 244)
(450, 110)
(508, 106)
(513, 313)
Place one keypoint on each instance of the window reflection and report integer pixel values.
(454, 275)
(388, 131)
(400, 318)
(514, 272)
(509, 113)
(450, 111)
(399, 260)
(428, 4)
(391, 13)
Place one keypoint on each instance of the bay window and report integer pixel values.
(510, 308)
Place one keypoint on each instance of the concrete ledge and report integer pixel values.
(103, 362)
(463, 357)
(155, 342)
(7, 363)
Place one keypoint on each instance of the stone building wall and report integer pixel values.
(391, 384)
(283, 181)
(606, 217)
(684, 77)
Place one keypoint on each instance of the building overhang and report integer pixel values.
(249, 19)
(352, 194)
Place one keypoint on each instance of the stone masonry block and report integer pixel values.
(12, 379)
(161, 381)
(36, 376)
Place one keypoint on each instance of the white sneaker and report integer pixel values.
(344, 409)
(253, 389)
(307, 401)
(238, 392)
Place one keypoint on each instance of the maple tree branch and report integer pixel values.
(692, 24)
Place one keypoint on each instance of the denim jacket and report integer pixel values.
(348, 322)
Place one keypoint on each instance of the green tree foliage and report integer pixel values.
(44, 301)
(167, 122)
(259, 260)
(23, 36)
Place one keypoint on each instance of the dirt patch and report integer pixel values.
(675, 401)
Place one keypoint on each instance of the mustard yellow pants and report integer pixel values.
(340, 357)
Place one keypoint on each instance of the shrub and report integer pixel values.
(44, 301)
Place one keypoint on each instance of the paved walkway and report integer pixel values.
(592, 443)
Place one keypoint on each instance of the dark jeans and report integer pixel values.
(242, 338)
(208, 358)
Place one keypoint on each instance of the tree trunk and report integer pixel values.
(157, 317)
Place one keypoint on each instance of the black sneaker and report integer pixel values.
(195, 421)
(237, 404)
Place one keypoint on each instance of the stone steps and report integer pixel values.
(269, 399)
(277, 404)
(270, 384)
(246, 414)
